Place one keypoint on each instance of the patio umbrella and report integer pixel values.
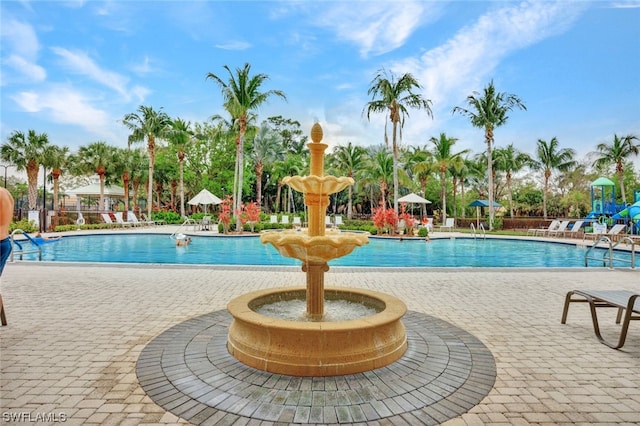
(204, 197)
(481, 203)
(413, 199)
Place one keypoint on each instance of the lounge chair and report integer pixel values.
(535, 231)
(120, 220)
(131, 217)
(149, 220)
(449, 224)
(106, 217)
(559, 230)
(575, 229)
(627, 303)
(327, 222)
(611, 233)
(337, 221)
(284, 220)
(297, 223)
(273, 219)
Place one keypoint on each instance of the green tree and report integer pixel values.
(395, 97)
(510, 160)
(267, 144)
(242, 95)
(179, 136)
(147, 124)
(95, 158)
(444, 159)
(488, 110)
(56, 158)
(347, 160)
(616, 153)
(550, 157)
(26, 153)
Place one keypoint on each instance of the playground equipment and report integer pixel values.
(603, 199)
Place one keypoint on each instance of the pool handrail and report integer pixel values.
(21, 250)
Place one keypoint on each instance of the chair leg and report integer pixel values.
(3, 317)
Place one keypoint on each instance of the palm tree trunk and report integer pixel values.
(240, 179)
(510, 194)
(489, 140)
(101, 200)
(32, 178)
(621, 177)
(350, 203)
(443, 176)
(395, 167)
(151, 147)
(182, 188)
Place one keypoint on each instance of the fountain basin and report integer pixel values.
(299, 245)
(324, 185)
(298, 348)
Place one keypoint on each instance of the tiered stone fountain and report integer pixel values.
(316, 347)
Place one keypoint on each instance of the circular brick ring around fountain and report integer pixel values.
(188, 371)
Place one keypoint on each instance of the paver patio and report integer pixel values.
(75, 334)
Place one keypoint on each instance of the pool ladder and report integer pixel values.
(481, 229)
(35, 247)
(607, 256)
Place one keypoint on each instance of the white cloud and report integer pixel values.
(81, 63)
(20, 51)
(376, 27)
(469, 60)
(234, 45)
(64, 105)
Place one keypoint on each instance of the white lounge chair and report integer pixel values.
(205, 223)
(611, 233)
(120, 220)
(449, 224)
(131, 217)
(327, 221)
(559, 230)
(297, 222)
(149, 220)
(541, 231)
(107, 219)
(273, 219)
(284, 220)
(575, 229)
(337, 221)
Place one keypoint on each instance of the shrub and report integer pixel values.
(423, 232)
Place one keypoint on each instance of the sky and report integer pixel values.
(73, 69)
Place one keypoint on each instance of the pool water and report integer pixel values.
(458, 252)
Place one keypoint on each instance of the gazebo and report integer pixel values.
(93, 191)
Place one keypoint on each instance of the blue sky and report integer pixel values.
(73, 69)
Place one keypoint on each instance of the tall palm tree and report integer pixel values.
(489, 110)
(267, 144)
(26, 153)
(348, 160)
(179, 135)
(379, 170)
(95, 158)
(242, 96)
(444, 159)
(395, 96)
(616, 153)
(510, 160)
(55, 158)
(147, 124)
(550, 158)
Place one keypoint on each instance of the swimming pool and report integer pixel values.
(458, 252)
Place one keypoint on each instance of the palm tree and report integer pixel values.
(26, 152)
(380, 171)
(348, 159)
(178, 136)
(510, 160)
(489, 111)
(55, 158)
(148, 124)
(267, 144)
(444, 159)
(94, 158)
(423, 168)
(395, 96)
(616, 153)
(242, 96)
(550, 158)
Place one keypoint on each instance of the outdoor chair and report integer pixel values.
(559, 230)
(327, 221)
(575, 229)
(611, 233)
(284, 220)
(149, 220)
(297, 223)
(337, 221)
(106, 217)
(131, 217)
(273, 219)
(120, 220)
(627, 303)
(449, 224)
(535, 231)
(205, 223)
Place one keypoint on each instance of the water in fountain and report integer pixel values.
(334, 310)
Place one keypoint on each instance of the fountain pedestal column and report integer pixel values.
(315, 288)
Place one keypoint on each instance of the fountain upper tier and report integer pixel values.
(316, 249)
(322, 185)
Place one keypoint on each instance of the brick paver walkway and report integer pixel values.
(75, 334)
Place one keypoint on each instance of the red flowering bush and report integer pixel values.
(385, 220)
(225, 213)
(409, 221)
(250, 214)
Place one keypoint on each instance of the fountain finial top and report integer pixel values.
(316, 133)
